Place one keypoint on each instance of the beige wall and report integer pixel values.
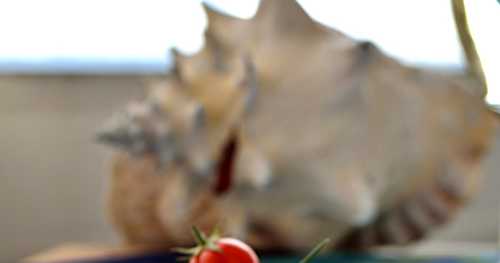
(54, 175)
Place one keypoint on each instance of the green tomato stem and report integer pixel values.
(199, 236)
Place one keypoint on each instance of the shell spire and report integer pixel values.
(227, 30)
(288, 16)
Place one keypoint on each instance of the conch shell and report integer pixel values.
(284, 131)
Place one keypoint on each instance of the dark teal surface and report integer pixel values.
(335, 258)
(366, 258)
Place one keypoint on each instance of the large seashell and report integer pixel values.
(286, 131)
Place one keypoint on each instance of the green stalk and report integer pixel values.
(315, 251)
(473, 60)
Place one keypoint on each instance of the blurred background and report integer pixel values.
(65, 66)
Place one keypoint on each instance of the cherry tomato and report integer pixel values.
(230, 251)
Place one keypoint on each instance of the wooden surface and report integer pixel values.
(75, 251)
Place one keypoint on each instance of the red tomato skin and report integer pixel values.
(208, 256)
(235, 251)
(232, 251)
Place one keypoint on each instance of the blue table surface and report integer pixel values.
(336, 257)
